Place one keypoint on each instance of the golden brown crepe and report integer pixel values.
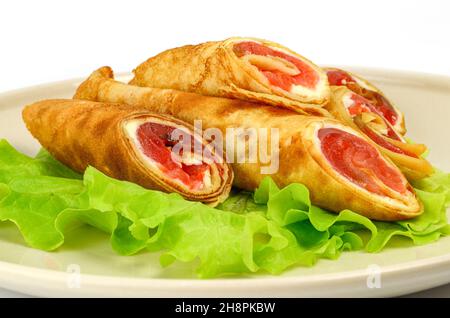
(243, 68)
(359, 85)
(338, 165)
(360, 113)
(127, 144)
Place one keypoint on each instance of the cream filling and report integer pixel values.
(348, 101)
(131, 127)
(302, 91)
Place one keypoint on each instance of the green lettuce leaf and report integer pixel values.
(269, 230)
(439, 182)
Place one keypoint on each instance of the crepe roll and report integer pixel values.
(359, 85)
(341, 169)
(362, 114)
(243, 68)
(129, 144)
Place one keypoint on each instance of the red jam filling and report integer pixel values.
(358, 161)
(156, 143)
(360, 105)
(308, 77)
(341, 78)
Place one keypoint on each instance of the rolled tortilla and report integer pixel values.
(243, 68)
(339, 166)
(361, 114)
(127, 144)
(359, 85)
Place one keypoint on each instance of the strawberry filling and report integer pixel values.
(156, 142)
(341, 78)
(307, 76)
(358, 161)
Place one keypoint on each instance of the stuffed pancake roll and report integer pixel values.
(361, 114)
(338, 77)
(243, 68)
(128, 144)
(339, 166)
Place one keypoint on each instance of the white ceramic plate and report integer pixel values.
(425, 100)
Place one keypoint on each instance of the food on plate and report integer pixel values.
(339, 77)
(317, 158)
(129, 144)
(244, 68)
(341, 169)
(267, 231)
(360, 113)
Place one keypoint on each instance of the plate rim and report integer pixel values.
(217, 284)
(436, 78)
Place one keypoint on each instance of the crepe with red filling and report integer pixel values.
(339, 166)
(244, 68)
(362, 114)
(128, 144)
(361, 86)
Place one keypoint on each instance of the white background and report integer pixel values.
(46, 40)
(42, 41)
